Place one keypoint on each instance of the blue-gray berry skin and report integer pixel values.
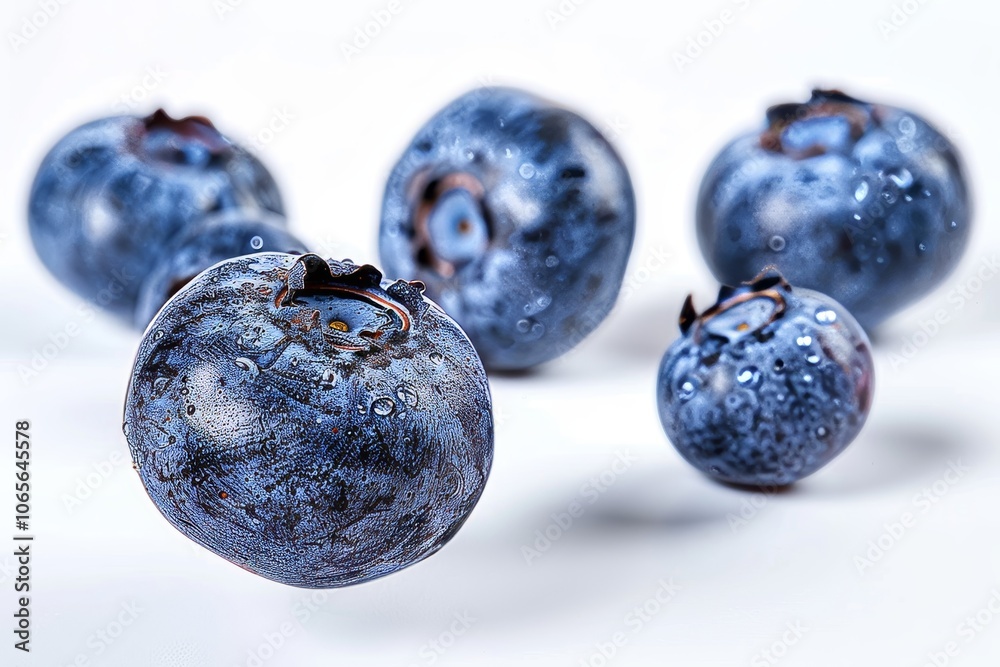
(219, 237)
(307, 421)
(111, 194)
(767, 386)
(519, 217)
(864, 202)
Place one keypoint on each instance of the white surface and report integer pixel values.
(740, 587)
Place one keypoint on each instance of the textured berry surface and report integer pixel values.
(519, 217)
(307, 421)
(219, 237)
(111, 194)
(767, 386)
(864, 202)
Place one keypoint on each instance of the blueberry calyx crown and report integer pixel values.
(830, 121)
(192, 140)
(346, 302)
(450, 223)
(739, 311)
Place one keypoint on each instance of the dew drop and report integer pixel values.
(907, 126)
(436, 358)
(523, 326)
(527, 170)
(921, 247)
(821, 432)
(902, 178)
(256, 243)
(862, 191)
(826, 316)
(888, 196)
(383, 406)
(126, 429)
(172, 440)
(749, 377)
(804, 341)
(952, 226)
(407, 394)
(779, 365)
(552, 261)
(687, 389)
(469, 155)
(776, 243)
(246, 365)
(159, 332)
(328, 377)
(190, 410)
(812, 359)
(362, 409)
(807, 378)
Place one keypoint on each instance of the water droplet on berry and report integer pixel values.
(126, 429)
(888, 196)
(436, 358)
(190, 410)
(902, 178)
(256, 243)
(826, 316)
(383, 406)
(469, 155)
(776, 243)
(807, 378)
(821, 432)
(159, 333)
(862, 191)
(524, 326)
(813, 359)
(247, 365)
(749, 377)
(527, 170)
(687, 389)
(921, 247)
(407, 394)
(552, 261)
(952, 226)
(328, 377)
(362, 409)
(804, 341)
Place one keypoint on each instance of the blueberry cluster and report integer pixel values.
(321, 426)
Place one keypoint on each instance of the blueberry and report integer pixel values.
(864, 202)
(307, 421)
(766, 386)
(219, 237)
(111, 194)
(519, 216)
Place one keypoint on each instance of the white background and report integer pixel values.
(793, 563)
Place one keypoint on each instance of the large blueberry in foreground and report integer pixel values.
(111, 194)
(519, 216)
(307, 421)
(219, 237)
(864, 202)
(766, 386)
